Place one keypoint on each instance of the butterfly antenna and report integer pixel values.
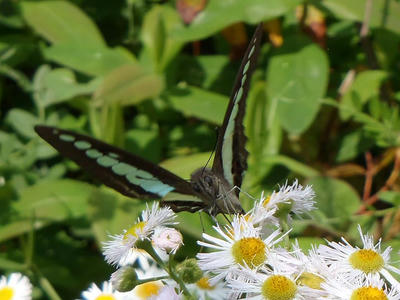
(212, 153)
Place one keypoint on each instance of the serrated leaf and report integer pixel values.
(128, 85)
(199, 103)
(61, 22)
(297, 77)
(365, 86)
(209, 21)
(89, 58)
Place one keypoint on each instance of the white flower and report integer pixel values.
(15, 287)
(136, 256)
(271, 283)
(239, 244)
(106, 292)
(350, 262)
(313, 268)
(262, 214)
(299, 199)
(167, 239)
(370, 287)
(120, 245)
(204, 290)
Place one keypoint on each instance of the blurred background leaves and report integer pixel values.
(155, 78)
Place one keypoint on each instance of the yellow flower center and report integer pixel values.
(311, 280)
(148, 289)
(6, 293)
(278, 287)
(368, 293)
(266, 201)
(104, 297)
(204, 284)
(134, 230)
(249, 251)
(367, 260)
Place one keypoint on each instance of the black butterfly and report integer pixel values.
(136, 177)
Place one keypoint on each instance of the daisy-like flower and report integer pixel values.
(204, 290)
(238, 244)
(290, 198)
(351, 262)
(270, 284)
(369, 288)
(312, 269)
(105, 292)
(120, 245)
(15, 287)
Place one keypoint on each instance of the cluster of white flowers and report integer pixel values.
(249, 258)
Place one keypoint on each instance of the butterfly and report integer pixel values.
(217, 188)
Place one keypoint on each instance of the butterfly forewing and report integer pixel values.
(125, 172)
(230, 153)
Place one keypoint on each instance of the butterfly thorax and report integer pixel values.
(216, 192)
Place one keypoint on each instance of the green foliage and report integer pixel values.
(126, 73)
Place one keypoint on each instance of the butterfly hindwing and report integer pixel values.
(230, 153)
(125, 172)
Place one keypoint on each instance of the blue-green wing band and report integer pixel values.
(230, 154)
(125, 172)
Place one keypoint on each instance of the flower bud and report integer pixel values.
(167, 239)
(189, 271)
(125, 279)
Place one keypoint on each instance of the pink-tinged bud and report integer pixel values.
(167, 239)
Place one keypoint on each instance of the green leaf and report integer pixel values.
(365, 86)
(88, 58)
(353, 144)
(61, 22)
(22, 122)
(262, 127)
(199, 103)
(220, 14)
(144, 143)
(46, 202)
(128, 85)
(59, 85)
(383, 14)
(335, 198)
(156, 35)
(297, 78)
(184, 166)
(383, 44)
(390, 197)
(110, 212)
(292, 164)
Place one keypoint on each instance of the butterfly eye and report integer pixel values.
(196, 187)
(208, 180)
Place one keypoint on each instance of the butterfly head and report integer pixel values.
(216, 192)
